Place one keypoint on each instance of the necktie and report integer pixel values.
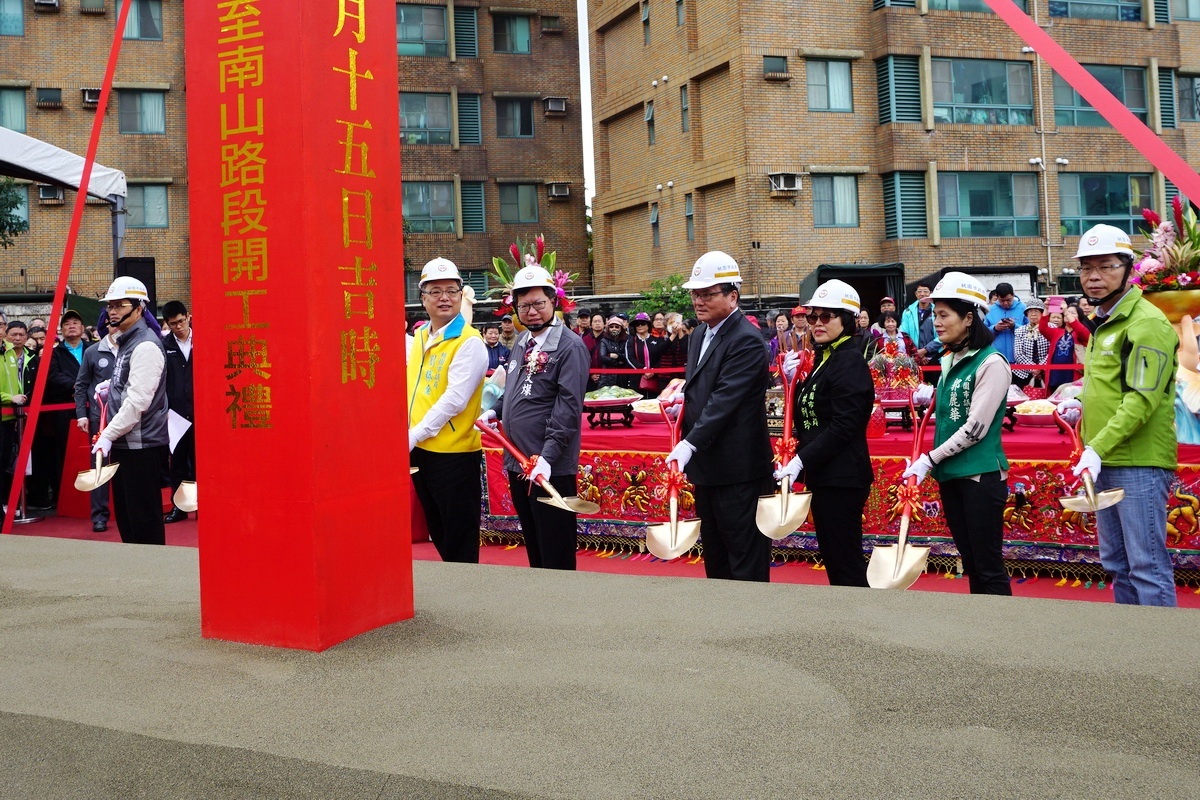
(21, 368)
(708, 337)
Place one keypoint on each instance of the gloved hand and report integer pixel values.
(1070, 410)
(791, 360)
(541, 469)
(920, 468)
(922, 394)
(681, 454)
(412, 439)
(102, 390)
(1088, 460)
(19, 399)
(103, 446)
(489, 418)
(790, 470)
(82, 424)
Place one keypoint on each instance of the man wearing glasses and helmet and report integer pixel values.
(446, 365)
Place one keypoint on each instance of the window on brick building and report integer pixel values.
(654, 237)
(964, 5)
(1187, 89)
(904, 206)
(428, 206)
(141, 112)
(466, 33)
(471, 200)
(21, 211)
(689, 217)
(645, 21)
(144, 20)
(146, 206)
(12, 109)
(470, 119)
(980, 92)
(1185, 9)
(421, 31)
(828, 85)
(1128, 84)
(975, 204)
(514, 118)
(775, 65)
(1112, 198)
(424, 118)
(898, 82)
(835, 201)
(518, 203)
(685, 113)
(680, 13)
(650, 121)
(510, 33)
(1097, 9)
(12, 18)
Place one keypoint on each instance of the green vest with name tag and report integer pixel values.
(952, 409)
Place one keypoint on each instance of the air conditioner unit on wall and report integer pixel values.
(785, 181)
(556, 105)
(555, 190)
(49, 194)
(91, 97)
(45, 5)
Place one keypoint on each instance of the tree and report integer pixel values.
(11, 226)
(665, 295)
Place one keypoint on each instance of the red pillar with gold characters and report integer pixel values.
(297, 291)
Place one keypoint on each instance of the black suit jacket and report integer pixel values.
(725, 414)
(830, 418)
(180, 391)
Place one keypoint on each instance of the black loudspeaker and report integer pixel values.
(142, 268)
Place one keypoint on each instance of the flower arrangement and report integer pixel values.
(529, 255)
(1172, 261)
(892, 370)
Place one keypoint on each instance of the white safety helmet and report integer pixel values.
(439, 269)
(712, 269)
(961, 286)
(835, 294)
(1103, 240)
(127, 288)
(532, 277)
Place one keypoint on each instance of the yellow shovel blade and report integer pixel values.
(572, 503)
(668, 540)
(185, 497)
(779, 515)
(1091, 501)
(893, 568)
(91, 479)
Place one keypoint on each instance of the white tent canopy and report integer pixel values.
(23, 156)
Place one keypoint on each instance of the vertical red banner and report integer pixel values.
(297, 286)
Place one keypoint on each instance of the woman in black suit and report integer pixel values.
(830, 417)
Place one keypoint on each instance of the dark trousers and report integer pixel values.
(837, 516)
(8, 457)
(137, 495)
(549, 531)
(183, 460)
(975, 515)
(448, 487)
(734, 548)
(49, 447)
(99, 495)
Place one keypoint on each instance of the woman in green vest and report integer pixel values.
(967, 459)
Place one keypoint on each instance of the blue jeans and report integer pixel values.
(1133, 536)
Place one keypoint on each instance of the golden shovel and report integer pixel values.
(668, 540)
(91, 479)
(779, 515)
(897, 566)
(1090, 501)
(573, 503)
(185, 497)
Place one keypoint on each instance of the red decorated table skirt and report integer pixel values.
(623, 471)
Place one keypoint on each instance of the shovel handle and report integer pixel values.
(1073, 432)
(919, 434)
(525, 462)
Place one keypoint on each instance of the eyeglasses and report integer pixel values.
(1103, 269)
(118, 306)
(824, 317)
(535, 306)
(706, 296)
(438, 294)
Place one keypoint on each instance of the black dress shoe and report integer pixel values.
(99, 527)
(176, 515)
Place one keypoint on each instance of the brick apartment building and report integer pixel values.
(491, 128)
(795, 134)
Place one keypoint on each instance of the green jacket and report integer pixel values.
(1129, 387)
(9, 385)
